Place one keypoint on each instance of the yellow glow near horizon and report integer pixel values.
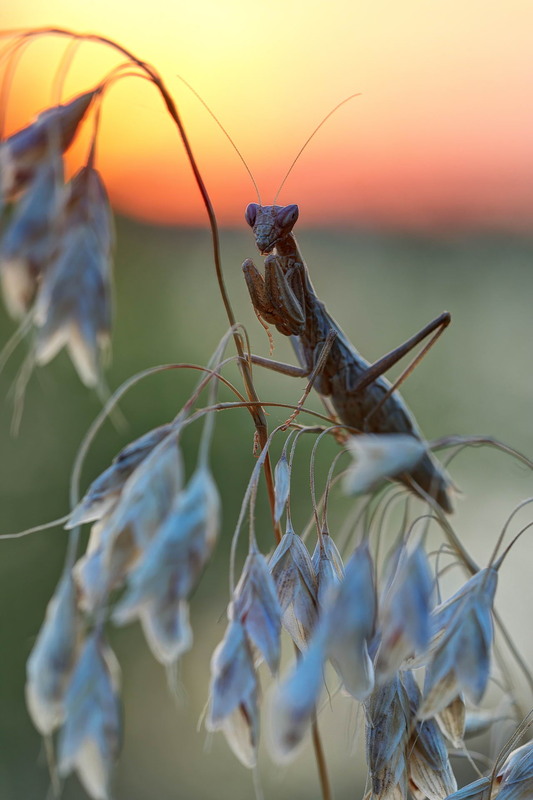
(442, 132)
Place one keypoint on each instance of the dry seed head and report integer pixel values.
(105, 490)
(430, 774)
(451, 721)
(378, 457)
(171, 567)
(73, 306)
(404, 621)
(292, 704)
(516, 775)
(292, 570)
(461, 646)
(30, 238)
(388, 717)
(147, 495)
(282, 478)
(90, 573)
(53, 129)
(53, 657)
(166, 628)
(90, 739)
(234, 694)
(256, 605)
(349, 624)
(329, 569)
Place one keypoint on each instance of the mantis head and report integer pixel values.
(270, 224)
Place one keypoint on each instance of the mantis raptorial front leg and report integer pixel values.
(279, 298)
(273, 297)
(361, 397)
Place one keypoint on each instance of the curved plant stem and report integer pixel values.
(321, 762)
(256, 410)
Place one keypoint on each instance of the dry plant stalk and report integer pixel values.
(418, 666)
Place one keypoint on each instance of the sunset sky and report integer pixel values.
(441, 136)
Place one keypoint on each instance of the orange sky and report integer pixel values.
(441, 136)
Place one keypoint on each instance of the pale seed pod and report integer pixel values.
(451, 720)
(461, 646)
(430, 773)
(378, 457)
(171, 567)
(147, 495)
(349, 624)
(329, 569)
(90, 573)
(516, 775)
(73, 306)
(90, 739)
(104, 492)
(256, 605)
(293, 703)
(52, 131)
(282, 478)
(30, 238)
(234, 694)
(105, 565)
(292, 570)
(53, 657)
(388, 717)
(404, 615)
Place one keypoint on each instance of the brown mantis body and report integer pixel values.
(359, 394)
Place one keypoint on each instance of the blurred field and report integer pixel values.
(381, 288)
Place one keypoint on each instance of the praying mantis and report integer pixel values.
(359, 394)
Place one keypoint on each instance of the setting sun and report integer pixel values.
(441, 134)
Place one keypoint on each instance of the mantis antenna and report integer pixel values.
(302, 148)
(224, 131)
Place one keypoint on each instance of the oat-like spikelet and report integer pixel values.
(293, 703)
(104, 492)
(90, 739)
(350, 622)
(292, 570)
(256, 605)
(378, 457)
(52, 131)
(430, 774)
(234, 694)
(105, 564)
(451, 721)
(329, 569)
(90, 573)
(30, 238)
(404, 615)
(73, 306)
(282, 478)
(461, 646)
(388, 718)
(147, 495)
(171, 568)
(53, 657)
(516, 776)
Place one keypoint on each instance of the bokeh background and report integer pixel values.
(415, 197)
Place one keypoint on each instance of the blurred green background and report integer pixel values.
(381, 288)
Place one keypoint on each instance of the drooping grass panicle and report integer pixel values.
(90, 739)
(53, 657)
(234, 694)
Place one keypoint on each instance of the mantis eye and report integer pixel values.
(288, 216)
(250, 214)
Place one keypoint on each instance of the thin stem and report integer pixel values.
(320, 758)
(255, 409)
